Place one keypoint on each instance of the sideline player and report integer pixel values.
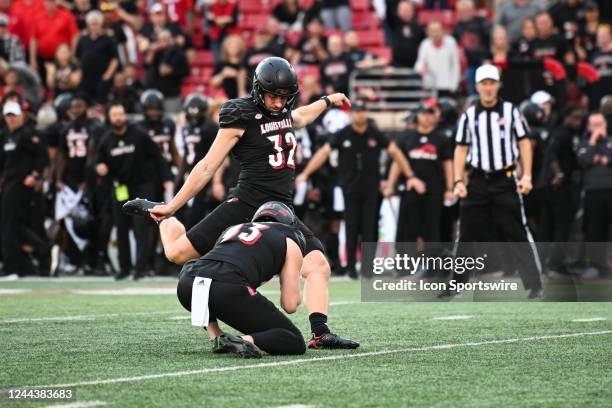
(221, 285)
(258, 129)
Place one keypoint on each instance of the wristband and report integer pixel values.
(457, 182)
(327, 101)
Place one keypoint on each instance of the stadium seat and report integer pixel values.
(254, 21)
(201, 74)
(306, 4)
(204, 59)
(252, 6)
(360, 4)
(371, 38)
(446, 17)
(189, 88)
(364, 20)
(384, 52)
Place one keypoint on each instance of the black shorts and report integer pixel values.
(204, 234)
(242, 308)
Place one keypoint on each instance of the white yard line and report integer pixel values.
(590, 319)
(79, 404)
(321, 359)
(14, 291)
(458, 317)
(295, 406)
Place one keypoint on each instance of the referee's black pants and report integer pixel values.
(143, 228)
(360, 216)
(493, 203)
(245, 310)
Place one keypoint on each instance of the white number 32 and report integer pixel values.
(277, 160)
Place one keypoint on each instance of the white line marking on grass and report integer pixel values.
(591, 319)
(13, 291)
(79, 404)
(83, 317)
(458, 317)
(318, 359)
(296, 406)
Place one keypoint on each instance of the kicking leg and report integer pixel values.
(177, 247)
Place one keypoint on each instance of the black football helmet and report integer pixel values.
(152, 100)
(275, 211)
(276, 76)
(196, 108)
(533, 113)
(61, 104)
(449, 110)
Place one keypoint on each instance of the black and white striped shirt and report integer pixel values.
(492, 135)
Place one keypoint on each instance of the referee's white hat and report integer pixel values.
(487, 71)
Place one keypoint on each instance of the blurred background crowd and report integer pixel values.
(170, 64)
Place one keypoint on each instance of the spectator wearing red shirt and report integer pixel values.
(52, 27)
(179, 11)
(22, 14)
(222, 17)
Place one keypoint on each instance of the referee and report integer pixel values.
(491, 137)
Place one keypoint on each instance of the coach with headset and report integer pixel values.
(491, 137)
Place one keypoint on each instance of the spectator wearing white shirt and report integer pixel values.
(438, 61)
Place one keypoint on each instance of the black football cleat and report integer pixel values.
(228, 343)
(449, 294)
(139, 206)
(331, 341)
(536, 294)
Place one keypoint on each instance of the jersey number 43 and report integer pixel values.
(249, 236)
(277, 160)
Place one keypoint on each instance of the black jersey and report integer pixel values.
(162, 133)
(197, 140)
(266, 151)
(257, 249)
(77, 144)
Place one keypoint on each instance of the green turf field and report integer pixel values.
(132, 350)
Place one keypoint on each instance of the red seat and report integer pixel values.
(384, 52)
(364, 20)
(306, 4)
(190, 88)
(254, 21)
(371, 38)
(446, 17)
(203, 74)
(204, 59)
(360, 4)
(252, 6)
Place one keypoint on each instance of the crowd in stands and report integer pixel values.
(111, 51)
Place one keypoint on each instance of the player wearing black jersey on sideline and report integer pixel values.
(161, 130)
(221, 285)
(258, 130)
(198, 136)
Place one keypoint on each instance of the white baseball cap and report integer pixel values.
(541, 97)
(487, 72)
(157, 8)
(11, 108)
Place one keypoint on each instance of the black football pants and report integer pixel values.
(360, 216)
(249, 312)
(493, 204)
(143, 229)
